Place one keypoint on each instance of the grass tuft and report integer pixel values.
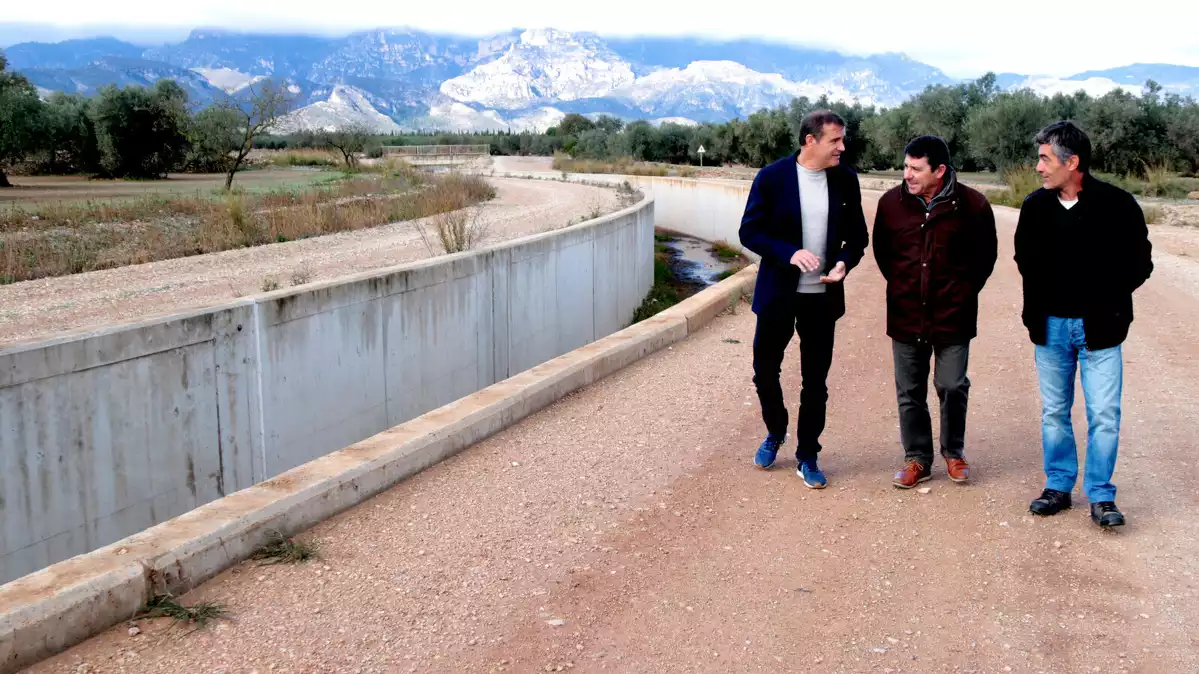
(724, 251)
(1021, 181)
(281, 549)
(165, 606)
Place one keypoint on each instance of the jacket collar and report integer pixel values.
(948, 190)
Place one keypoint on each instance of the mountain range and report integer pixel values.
(395, 80)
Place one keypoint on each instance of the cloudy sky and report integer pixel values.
(964, 39)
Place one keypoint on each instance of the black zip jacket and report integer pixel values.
(1083, 262)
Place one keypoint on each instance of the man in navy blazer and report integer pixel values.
(804, 218)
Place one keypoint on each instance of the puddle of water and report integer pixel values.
(694, 260)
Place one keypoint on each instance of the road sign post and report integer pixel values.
(701, 152)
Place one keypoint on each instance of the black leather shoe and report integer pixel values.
(1106, 515)
(1051, 502)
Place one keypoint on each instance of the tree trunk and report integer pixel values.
(241, 155)
(4, 179)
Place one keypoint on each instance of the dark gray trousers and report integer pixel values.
(911, 388)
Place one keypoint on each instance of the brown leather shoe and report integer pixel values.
(959, 470)
(913, 473)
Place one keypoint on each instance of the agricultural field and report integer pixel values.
(43, 190)
(59, 226)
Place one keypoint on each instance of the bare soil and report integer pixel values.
(49, 307)
(626, 529)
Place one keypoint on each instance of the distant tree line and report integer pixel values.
(141, 132)
(987, 129)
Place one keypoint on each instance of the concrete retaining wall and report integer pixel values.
(105, 434)
(54, 608)
(709, 209)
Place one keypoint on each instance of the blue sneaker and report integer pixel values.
(812, 477)
(767, 451)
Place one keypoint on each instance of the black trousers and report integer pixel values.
(810, 318)
(911, 388)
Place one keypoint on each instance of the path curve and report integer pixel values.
(47, 307)
(630, 511)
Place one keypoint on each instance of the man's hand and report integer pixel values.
(836, 275)
(805, 260)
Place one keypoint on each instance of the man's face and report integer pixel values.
(827, 150)
(1054, 172)
(920, 178)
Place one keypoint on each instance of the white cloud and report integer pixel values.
(963, 39)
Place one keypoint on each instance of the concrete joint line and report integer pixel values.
(64, 604)
(258, 401)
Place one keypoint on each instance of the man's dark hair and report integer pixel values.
(932, 148)
(813, 123)
(1067, 140)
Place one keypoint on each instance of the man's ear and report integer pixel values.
(941, 171)
(1073, 162)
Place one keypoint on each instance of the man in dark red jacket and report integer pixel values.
(935, 243)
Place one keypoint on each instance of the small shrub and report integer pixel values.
(1021, 181)
(281, 549)
(453, 232)
(1153, 214)
(270, 284)
(301, 276)
(628, 195)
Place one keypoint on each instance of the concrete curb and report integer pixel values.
(53, 609)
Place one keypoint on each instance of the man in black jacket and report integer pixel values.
(804, 218)
(1082, 248)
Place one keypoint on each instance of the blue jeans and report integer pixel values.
(1102, 384)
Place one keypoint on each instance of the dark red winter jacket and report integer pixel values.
(936, 259)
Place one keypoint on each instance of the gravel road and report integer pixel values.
(625, 529)
(48, 307)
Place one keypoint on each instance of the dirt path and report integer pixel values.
(43, 308)
(631, 512)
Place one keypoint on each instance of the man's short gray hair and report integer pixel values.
(1067, 140)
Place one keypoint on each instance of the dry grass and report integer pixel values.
(304, 158)
(1158, 181)
(453, 232)
(280, 549)
(61, 239)
(624, 166)
(1153, 214)
(301, 275)
(1021, 182)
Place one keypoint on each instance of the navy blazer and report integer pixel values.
(772, 228)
